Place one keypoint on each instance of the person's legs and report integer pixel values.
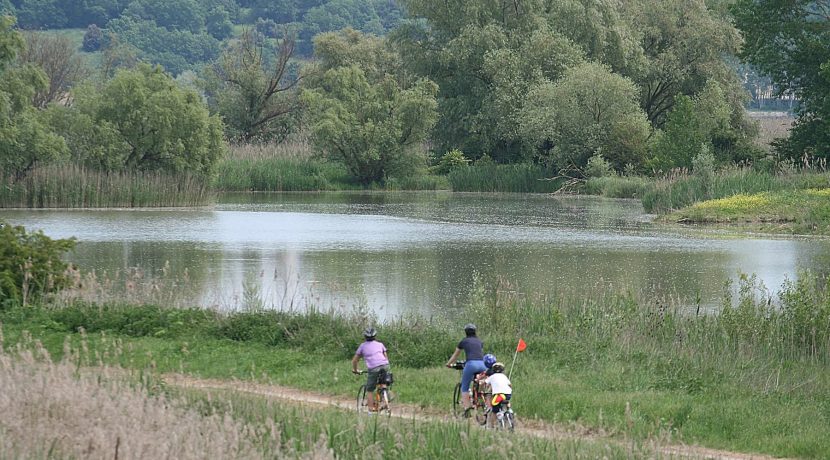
(471, 369)
(371, 384)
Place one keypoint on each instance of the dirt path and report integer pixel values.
(526, 427)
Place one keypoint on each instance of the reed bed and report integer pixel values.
(279, 167)
(682, 189)
(491, 177)
(618, 186)
(72, 186)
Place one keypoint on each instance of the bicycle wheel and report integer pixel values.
(361, 399)
(457, 409)
(384, 401)
(481, 418)
(481, 409)
(509, 421)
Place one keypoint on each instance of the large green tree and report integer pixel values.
(371, 127)
(141, 120)
(25, 140)
(589, 111)
(484, 56)
(790, 41)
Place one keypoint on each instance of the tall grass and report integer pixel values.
(53, 410)
(71, 186)
(491, 177)
(611, 360)
(681, 190)
(618, 186)
(289, 166)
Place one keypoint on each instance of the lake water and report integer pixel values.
(396, 253)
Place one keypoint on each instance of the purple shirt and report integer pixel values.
(372, 352)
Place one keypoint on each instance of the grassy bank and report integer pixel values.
(70, 186)
(754, 378)
(791, 211)
(678, 192)
(97, 411)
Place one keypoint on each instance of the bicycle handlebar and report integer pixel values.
(458, 365)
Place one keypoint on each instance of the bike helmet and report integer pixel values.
(470, 328)
(489, 360)
(370, 333)
(498, 367)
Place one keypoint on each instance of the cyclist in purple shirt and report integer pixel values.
(374, 353)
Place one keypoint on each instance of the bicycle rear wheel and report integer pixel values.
(361, 399)
(481, 409)
(509, 421)
(384, 401)
(457, 409)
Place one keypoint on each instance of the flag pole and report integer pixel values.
(515, 354)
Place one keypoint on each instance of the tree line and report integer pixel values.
(637, 87)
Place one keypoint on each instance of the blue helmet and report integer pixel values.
(489, 360)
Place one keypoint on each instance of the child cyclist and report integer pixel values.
(501, 387)
(377, 362)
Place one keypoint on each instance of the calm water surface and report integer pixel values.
(398, 253)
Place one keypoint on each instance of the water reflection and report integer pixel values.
(414, 252)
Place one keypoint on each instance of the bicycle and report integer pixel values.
(382, 396)
(477, 398)
(506, 421)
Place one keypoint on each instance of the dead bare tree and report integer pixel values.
(59, 59)
(259, 88)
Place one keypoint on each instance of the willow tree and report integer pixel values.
(372, 127)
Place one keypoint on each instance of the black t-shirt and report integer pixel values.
(473, 348)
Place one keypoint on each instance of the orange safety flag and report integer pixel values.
(521, 346)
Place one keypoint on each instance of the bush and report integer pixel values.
(598, 167)
(30, 264)
(450, 161)
(93, 38)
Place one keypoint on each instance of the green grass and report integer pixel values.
(681, 191)
(292, 166)
(281, 175)
(491, 177)
(69, 186)
(754, 378)
(352, 437)
(790, 211)
(618, 186)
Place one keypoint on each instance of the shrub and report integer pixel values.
(598, 167)
(450, 161)
(30, 264)
(93, 38)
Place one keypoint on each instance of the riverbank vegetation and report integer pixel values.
(603, 360)
(518, 96)
(791, 211)
(751, 376)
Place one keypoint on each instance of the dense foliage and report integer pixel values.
(790, 41)
(30, 264)
(643, 86)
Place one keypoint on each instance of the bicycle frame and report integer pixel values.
(380, 395)
(477, 399)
